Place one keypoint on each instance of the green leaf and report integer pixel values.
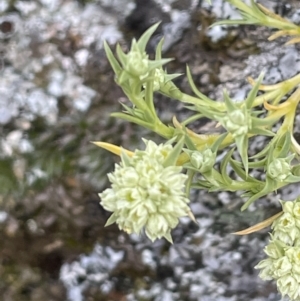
(224, 165)
(158, 50)
(192, 118)
(188, 183)
(132, 119)
(144, 39)
(261, 132)
(189, 142)
(257, 12)
(263, 152)
(201, 184)
(207, 101)
(269, 187)
(158, 63)
(283, 146)
(210, 177)
(170, 77)
(242, 146)
(113, 62)
(126, 160)
(215, 146)
(237, 167)
(230, 106)
(111, 219)
(252, 94)
(121, 55)
(292, 179)
(149, 99)
(174, 154)
(296, 170)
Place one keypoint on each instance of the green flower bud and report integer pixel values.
(146, 194)
(137, 63)
(237, 123)
(203, 161)
(279, 169)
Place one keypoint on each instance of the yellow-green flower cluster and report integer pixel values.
(145, 193)
(283, 262)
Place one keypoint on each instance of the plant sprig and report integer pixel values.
(151, 187)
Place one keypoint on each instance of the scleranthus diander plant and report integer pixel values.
(150, 188)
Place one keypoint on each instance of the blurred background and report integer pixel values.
(57, 91)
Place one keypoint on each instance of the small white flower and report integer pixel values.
(266, 272)
(283, 262)
(275, 249)
(281, 267)
(288, 285)
(146, 194)
(285, 228)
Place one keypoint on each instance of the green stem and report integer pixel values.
(239, 185)
(163, 130)
(198, 101)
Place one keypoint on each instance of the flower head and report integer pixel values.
(283, 262)
(145, 193)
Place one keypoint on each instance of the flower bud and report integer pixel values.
(237, 123)
(204, 161)
(279, 169)
(137, 64)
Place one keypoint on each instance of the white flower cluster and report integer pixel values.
(283, 262)
(145, 193)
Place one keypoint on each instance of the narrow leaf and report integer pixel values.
(228, 102)
(174, 154)
(158, 50)
(144, 39)
(269, 186)
(242, 146)
(252, 94)
(208, 101)
(223, 166)
(113, 62)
